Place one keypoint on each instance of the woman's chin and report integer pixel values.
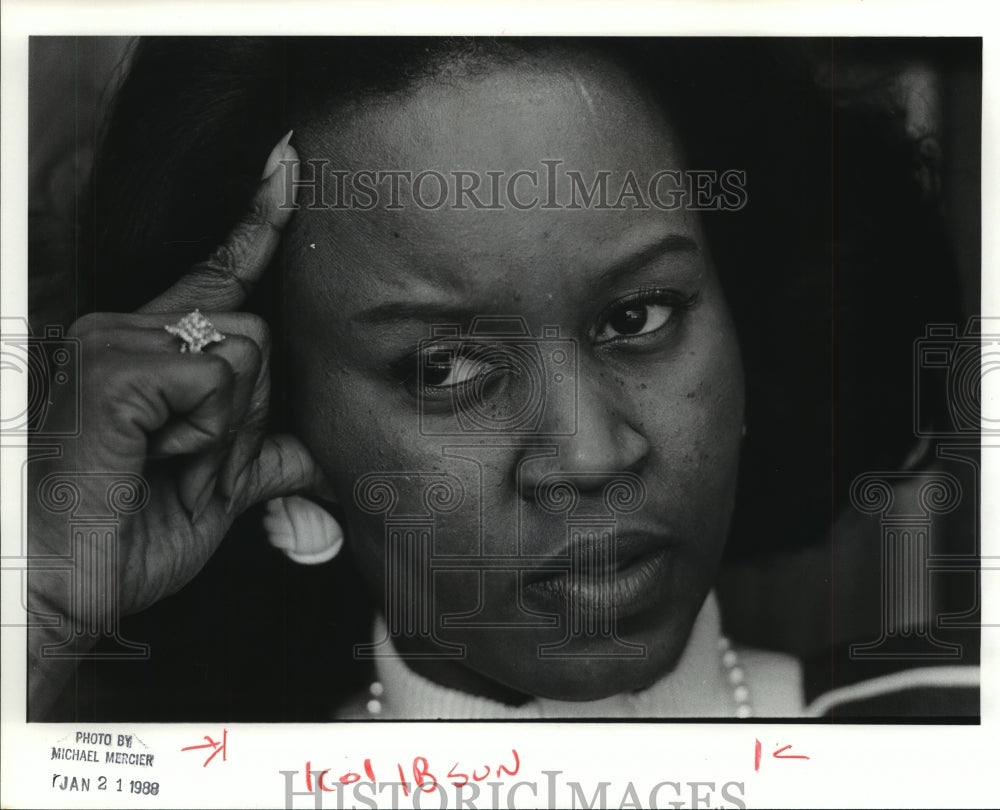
(582, 681)
(551, 664)
(579, 675)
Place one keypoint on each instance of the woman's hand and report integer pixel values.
(192, 425)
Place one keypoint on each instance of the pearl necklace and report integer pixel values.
(732, 671)
(736, 678)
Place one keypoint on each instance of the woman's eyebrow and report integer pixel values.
(426, 311)
(671, 243)
(440, 312)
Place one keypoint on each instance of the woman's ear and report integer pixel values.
(303, 530)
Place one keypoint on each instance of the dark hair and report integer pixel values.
(832, 270)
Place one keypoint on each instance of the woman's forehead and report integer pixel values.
(553, 266)
(571, 106)
(527, 141)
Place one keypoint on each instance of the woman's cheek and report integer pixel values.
(369, 434)
(696, 436)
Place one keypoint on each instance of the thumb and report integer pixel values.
(224, 280)
(283, 467)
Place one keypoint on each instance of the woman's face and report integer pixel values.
(641, 382)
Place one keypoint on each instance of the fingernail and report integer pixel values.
(204, 499)
(278, 154)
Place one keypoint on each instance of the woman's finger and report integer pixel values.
(201, 475)
(284, 467)
(246, 349)
(140, 340)
(244, 358)
(134, 400)
(223, 281)
(116, 327)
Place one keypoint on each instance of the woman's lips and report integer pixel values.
(630, 584)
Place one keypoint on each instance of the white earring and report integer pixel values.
(303, 530)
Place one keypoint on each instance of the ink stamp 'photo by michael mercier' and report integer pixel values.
(534, 379)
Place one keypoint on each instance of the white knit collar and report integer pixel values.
(696, 687)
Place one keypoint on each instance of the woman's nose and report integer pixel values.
(595, 436)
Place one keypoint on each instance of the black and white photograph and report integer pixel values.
(591, 383)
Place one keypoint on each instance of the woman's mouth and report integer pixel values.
(606, 579)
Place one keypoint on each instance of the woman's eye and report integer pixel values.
(632, 319)
(444, 369)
